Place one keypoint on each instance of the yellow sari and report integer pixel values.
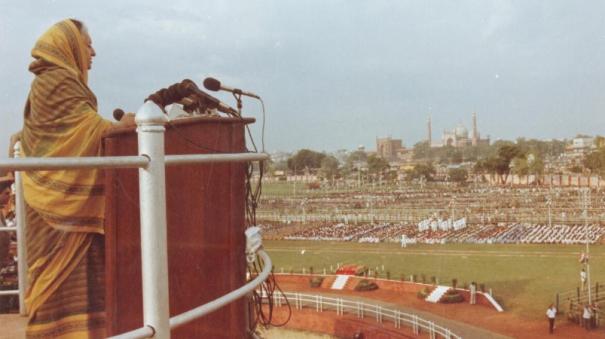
(65, 209)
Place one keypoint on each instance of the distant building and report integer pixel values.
(580, 146)
(583, 144)
(459, 136)
(389, 149)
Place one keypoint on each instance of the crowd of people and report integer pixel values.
(479, 205)
(475, 214)
(8, 246)
(516, 233)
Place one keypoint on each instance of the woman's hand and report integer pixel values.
(127, 120)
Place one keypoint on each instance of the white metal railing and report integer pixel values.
(361, 309)
(151, 163)
(188, 316)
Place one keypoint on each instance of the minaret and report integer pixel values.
(475, 140)
(430, 140)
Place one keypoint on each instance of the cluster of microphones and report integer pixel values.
(188, 94)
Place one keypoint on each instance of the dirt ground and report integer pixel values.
(477, 315)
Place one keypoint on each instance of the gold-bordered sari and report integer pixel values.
(65, 208)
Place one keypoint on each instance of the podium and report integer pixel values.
(205, 205)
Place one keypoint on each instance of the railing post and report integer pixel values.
(297, 301)
(21, 246)
(152, 197)
(416, 325)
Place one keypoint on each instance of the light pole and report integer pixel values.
(452, 215)
(585, 203)
(549, 203)
(294, 180)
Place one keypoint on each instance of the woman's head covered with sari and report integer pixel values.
(61, 120)
(64, 45)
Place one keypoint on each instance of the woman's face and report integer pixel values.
(91, 50)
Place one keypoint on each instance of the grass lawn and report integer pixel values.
(524, 278)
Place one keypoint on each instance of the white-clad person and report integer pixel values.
(473, 293)
(586, 316)
(551, 313)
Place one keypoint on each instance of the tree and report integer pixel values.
(354, 161)
(456, 157)
(535, 164)
(480, 167)
(595, 161)
(599, 141)
(458, 175)
(356, 157)
(519, 166)
(329, 167)
(575, 169)
(305, 159)
(501, 162)
(425, 171)
(377, 164)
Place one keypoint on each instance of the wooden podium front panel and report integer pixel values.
(206, 220)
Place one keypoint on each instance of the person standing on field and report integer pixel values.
(551, 313)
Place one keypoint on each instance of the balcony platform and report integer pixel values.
(13, 326)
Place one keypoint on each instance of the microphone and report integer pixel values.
(213, 102)
(190, 96)
(212, 84)
(118, 113)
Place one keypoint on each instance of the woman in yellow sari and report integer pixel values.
(65, 209)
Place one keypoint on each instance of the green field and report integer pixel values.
(524, 278)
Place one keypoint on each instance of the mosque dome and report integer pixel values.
(461, 132)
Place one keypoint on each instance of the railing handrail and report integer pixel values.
(61, 163)
(134, 161)
(573, 294)
(181, 159)
(354, 307)
(198, 312)
(212, 306)
(9, 292)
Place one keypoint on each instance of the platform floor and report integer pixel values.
(12, 326)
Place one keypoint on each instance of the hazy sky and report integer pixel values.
(335, 73)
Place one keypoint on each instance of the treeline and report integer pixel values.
(456, 155)
(595, 161)
(522, 157)
(329, 167)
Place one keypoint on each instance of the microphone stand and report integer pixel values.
(238, 98)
